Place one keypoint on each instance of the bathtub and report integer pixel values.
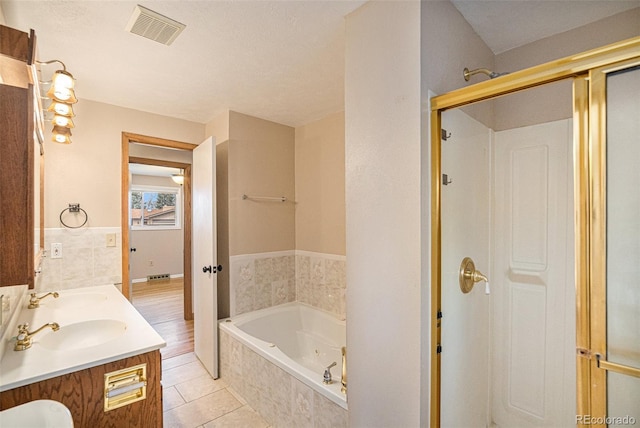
(299, 339)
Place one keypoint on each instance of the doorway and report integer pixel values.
(512, 342)
(156, 238)
(127, 140)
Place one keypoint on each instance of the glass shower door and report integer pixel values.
(619, 335)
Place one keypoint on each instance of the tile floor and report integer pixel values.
(192, 399)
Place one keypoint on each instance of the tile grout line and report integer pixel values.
(229, 412)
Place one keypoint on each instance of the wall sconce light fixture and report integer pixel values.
(62, 97)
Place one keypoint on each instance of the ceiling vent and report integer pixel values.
(152, 25)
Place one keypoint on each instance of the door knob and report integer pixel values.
(133, 250)
(212, 269)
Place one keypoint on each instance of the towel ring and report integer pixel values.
(74, 208)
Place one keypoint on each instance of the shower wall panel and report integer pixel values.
(533, 315)
(466, 225)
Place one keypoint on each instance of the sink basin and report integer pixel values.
(72, 301)
(81, 335)
(37, 414)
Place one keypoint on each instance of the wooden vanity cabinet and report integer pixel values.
(83, 393)
(17, 175)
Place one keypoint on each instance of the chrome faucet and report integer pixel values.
(327, 374)
(343, 379)
(34, 301)
(25, 336)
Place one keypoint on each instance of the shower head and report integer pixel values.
(492, 74)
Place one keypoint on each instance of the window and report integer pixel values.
(152, 207)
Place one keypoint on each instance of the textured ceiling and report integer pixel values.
(278, 60)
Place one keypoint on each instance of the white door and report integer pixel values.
(205, 293)
(533, 371)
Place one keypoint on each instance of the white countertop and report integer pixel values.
(104, 302)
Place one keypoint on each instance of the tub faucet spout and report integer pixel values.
(327, 374)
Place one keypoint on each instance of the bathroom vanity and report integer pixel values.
(103, 362)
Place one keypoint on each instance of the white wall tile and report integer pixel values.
(86, 259)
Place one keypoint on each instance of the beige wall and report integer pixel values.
(553, 102)
(449, 44)
(319, 180)
(88, 170)
(261, 163)
(383, 220)
(306, 165)
(218, 127)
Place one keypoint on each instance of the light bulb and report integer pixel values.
(63, 121)
(62, 93)
(61, 135)
(61, 109)
(62, 79)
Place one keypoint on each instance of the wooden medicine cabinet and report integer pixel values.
(21, 161)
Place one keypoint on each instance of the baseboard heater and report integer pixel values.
(158, 277)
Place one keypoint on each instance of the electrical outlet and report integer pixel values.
(56, 250)
(111, 239)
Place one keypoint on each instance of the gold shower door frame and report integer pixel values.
(588, 70)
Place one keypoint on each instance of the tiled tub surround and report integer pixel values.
(286, 390)
(86, 259)
(258, 281)
(321, 281)
(263, 280)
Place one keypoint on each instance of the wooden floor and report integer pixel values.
(161, 304)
